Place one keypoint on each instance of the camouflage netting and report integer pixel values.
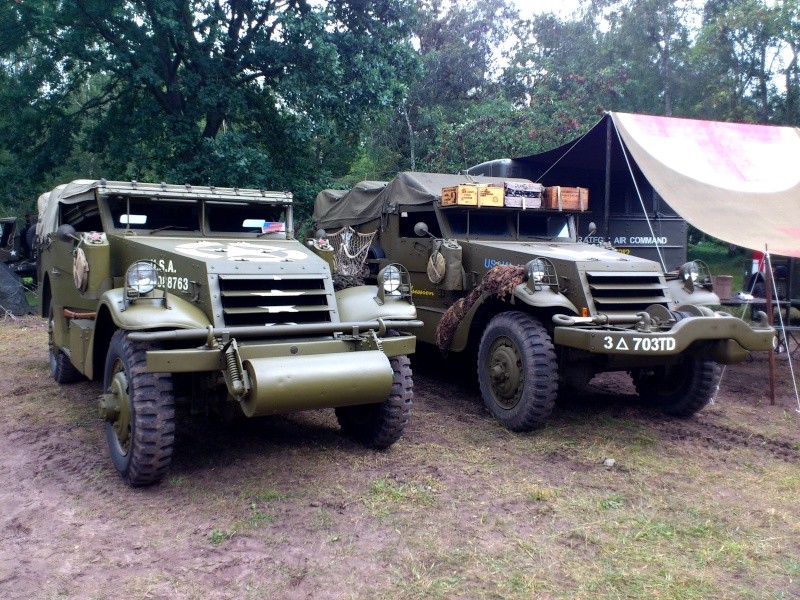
(342, 282)
(500, 280)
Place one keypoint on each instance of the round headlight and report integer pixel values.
(689, 272)
(391, 279)
(141, 277)
(536, 270)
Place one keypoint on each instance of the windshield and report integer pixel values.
(152, 214)
(478, 223)
(228, 217)
(515, 224)
(543, 226)
(171, 215)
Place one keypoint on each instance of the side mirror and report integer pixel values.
(592, 229)
(66, 233)
(421, 229)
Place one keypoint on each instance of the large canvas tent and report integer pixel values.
(737, 182)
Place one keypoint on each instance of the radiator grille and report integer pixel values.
(626, 292)
(272, 301)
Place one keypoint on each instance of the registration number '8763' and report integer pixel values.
(173, 283)
(639, 344)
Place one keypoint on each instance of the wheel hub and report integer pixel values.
(505, 372)
(115, 408)
(51, 345)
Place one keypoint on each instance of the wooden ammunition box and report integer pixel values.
(558, 197)
(460, 195)
(491, 195)
(523, 194)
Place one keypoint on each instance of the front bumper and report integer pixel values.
(194, 360)
(724, 339)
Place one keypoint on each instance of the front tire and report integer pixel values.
(679, 390)
(140, 415)
(517, 371)
(61, 367)
(381, 425)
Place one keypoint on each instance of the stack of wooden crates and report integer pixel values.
(517, 194)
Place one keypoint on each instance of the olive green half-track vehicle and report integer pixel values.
(543, 312)
(202, 296)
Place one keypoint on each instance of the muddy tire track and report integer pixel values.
(722, 437)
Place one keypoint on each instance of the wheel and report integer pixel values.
(61, 367)
(679, 390)
(139, 412)
(517, 371)
(381, 425)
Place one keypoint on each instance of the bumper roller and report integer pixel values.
(291, 384)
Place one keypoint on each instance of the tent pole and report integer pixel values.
(770, 320)
(787, 314)
(606, 217)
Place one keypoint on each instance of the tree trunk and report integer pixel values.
(411, 151)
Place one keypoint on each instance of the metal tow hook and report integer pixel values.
(645, 324)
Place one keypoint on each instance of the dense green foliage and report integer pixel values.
(241, 92)
(295, 94)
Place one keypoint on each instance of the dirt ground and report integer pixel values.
(459, 508)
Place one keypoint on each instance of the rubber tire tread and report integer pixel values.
(153, 414)
(539, 366)
(700, 378)
(381, 425)
(61, 366)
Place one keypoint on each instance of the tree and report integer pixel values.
(650, 40)
(458, 52)
(735, 59)
(229, 92)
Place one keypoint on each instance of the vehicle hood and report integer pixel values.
(584, 255)
(226, 255)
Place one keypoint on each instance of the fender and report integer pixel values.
(359, 304)
(142, 314)
(699, 297)
(545, 298)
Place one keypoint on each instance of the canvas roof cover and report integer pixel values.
(369, 199)
(737, 182)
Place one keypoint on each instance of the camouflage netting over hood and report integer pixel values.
(500, 280)
(369, 199)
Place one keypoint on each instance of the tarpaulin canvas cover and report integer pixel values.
(369, 199)
(737, 182)
(12, 293)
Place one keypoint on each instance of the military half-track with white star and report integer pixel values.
(177, 295)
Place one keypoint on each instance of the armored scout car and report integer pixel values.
(202, 295)
(544, 312)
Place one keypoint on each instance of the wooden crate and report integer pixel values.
(557, 197)
(460, 195)
(490, 195)
(523, 194)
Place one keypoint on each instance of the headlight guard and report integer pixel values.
(541, 274)
(393, 280)
(142, 278)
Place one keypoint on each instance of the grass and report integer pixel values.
(720, 260)
(460, 508)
